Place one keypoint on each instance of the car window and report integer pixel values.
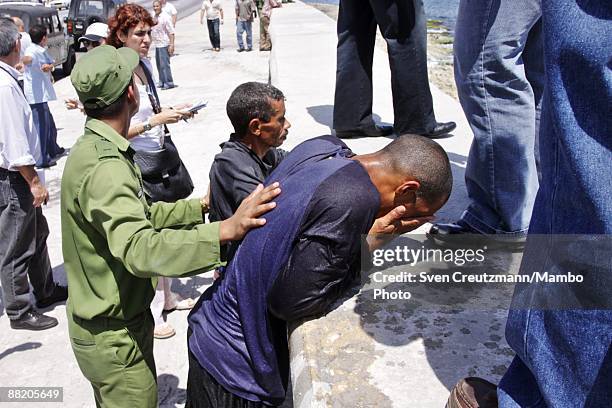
(56, 23)
(46, 21)
(91, 8)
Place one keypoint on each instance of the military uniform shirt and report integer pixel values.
(113, 242)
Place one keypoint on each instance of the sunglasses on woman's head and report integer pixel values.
(92, 44)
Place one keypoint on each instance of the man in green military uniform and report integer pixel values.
(114, 243)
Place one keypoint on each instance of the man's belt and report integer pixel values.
(109, 323)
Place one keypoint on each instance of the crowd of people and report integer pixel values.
(284, 231)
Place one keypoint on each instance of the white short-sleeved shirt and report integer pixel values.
(26, 41)
(212, 9)
(38, 87)
(160, 32)
(152, 139)
(19, 145)
(169, 9)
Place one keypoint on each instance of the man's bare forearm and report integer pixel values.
(29, 174)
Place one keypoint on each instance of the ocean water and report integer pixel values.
(444, 10)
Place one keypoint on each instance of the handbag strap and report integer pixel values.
(153, 96)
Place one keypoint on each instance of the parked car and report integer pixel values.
(59, 43)
(60, 4)
(82, 13)
(21, 1)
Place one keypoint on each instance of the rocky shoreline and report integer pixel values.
(439, 50)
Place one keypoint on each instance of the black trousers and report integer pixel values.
(203, 391)
(23, 246)
(404, 26)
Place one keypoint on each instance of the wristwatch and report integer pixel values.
(146, 127)
(204, 204)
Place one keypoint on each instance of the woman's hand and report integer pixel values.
(167, 116)
(184, 107)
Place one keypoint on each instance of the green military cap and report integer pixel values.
(102, 74)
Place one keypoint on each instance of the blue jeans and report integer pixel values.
(241, 28)
(500, 78)
(404, 26)
(162, 61)
(564, 358)
(213, 32)
(47, 132)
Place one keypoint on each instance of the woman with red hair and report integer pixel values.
(131, 27)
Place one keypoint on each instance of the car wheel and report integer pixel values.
(70, 61)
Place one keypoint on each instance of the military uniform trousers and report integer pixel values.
(116, 357)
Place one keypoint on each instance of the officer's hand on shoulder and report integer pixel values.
(246, 216)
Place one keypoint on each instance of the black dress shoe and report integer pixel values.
(460, 235)
(59, 294)
(32, 320)
(46, 165)
(59, 153)
(373, 131)
(440, 129)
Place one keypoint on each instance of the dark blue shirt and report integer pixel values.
(300, 262)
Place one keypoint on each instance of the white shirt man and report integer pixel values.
(19, 145)
(170, 10)
(162, 32)
(212, 8)
(24, 258)
(38, 86)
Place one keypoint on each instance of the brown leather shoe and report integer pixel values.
(473, 392)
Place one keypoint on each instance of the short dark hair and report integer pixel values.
(37, 33)
(111, 110)
(249, 101)
(424, 160)
(9, 35)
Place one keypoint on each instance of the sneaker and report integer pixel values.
(240, 49)
(33, 320)
(59, 294)
(249, 49)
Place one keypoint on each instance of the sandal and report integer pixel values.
(163, 331)
(182, 304)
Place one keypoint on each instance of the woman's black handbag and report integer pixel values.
(164, 175)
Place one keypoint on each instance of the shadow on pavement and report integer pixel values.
(22, 347)
(190, 288)
(324, 114)
(168, 392)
